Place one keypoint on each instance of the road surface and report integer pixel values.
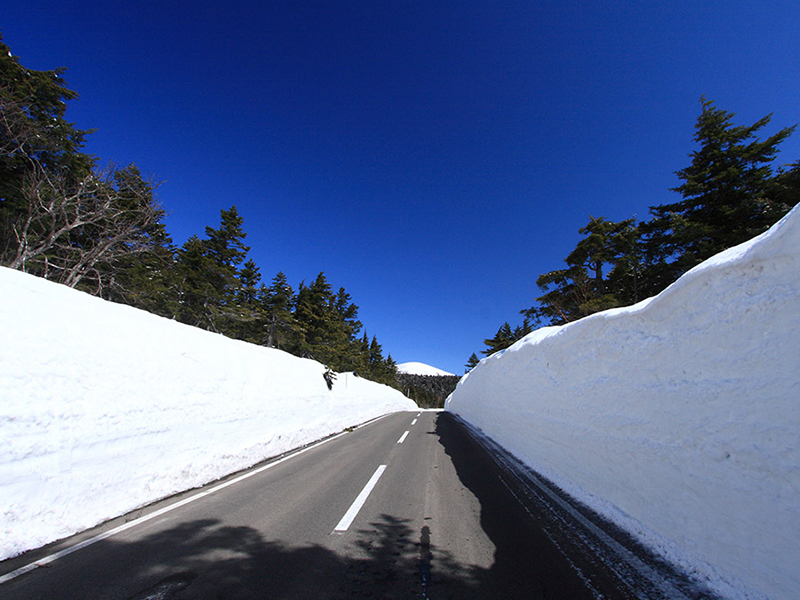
(408, 506)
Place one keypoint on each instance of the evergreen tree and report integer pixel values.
(225, 246)
(249, 278)
(59, 217)
(505, 337)
(251, 314)
(472, 362)
(148, 280)
(198, 294)
(582, 289)
(604, 244)
(327, 324)
(281, 329)
(37, 143)
(567, 293)
(727, 195)
(785, 187)
(210, 277)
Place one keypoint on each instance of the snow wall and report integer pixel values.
(678, 418)
(105, 408)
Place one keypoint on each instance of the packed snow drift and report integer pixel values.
(418, 368)
(105, 408)
(678, 417)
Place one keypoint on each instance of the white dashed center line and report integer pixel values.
(402, 438)
(351, 513)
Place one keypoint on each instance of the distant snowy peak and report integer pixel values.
(418, 368)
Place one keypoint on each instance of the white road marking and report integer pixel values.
(402, 438)
(414, 422)
(351, 513)
(107, 534)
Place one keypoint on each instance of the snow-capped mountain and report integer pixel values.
(418, 368)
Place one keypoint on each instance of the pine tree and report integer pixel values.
(149, 280)
(198, 294)
(609, 248)
(472, 362)
(210, 277)
(785, 187)
(602, 246)
(251, 316)
(726, 193)
(225, 246)
(60, 218)
(281, 329)
(36, 141)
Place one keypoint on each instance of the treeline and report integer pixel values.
(729, 194)
(428, 391)
(102, 231)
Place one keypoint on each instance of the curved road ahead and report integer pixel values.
(408, 506)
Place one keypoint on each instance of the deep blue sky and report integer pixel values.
(431, 157)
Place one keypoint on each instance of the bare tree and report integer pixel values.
(60, 217)
(67, 230)
(63, 229)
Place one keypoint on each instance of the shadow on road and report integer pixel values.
(527, 563)
(209, 560)
(391, 559)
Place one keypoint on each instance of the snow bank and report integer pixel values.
(418, 368)
(678, 417)
(105, 408)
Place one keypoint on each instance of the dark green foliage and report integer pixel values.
(210, 281)
(582, 289)
(281, 329)
(60, 218)
(785, 186)
(35, 133)
(148, 279)
(472, 362)
(328, 330)
(729, 195)
(505, 337)
(428, 391)
(198, 296)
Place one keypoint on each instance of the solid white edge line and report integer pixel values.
(402, 438)
(350, 515)
(107, 534)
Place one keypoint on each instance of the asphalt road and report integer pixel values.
(441, 520)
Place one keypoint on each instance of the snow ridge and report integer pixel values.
(105, 408)
(677, 417)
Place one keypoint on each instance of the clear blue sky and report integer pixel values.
(431, 157)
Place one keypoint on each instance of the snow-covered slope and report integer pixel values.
(418, 368)
(104, 408)
(678, 417)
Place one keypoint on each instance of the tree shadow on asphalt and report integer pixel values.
(207, 559)
(541, 551)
